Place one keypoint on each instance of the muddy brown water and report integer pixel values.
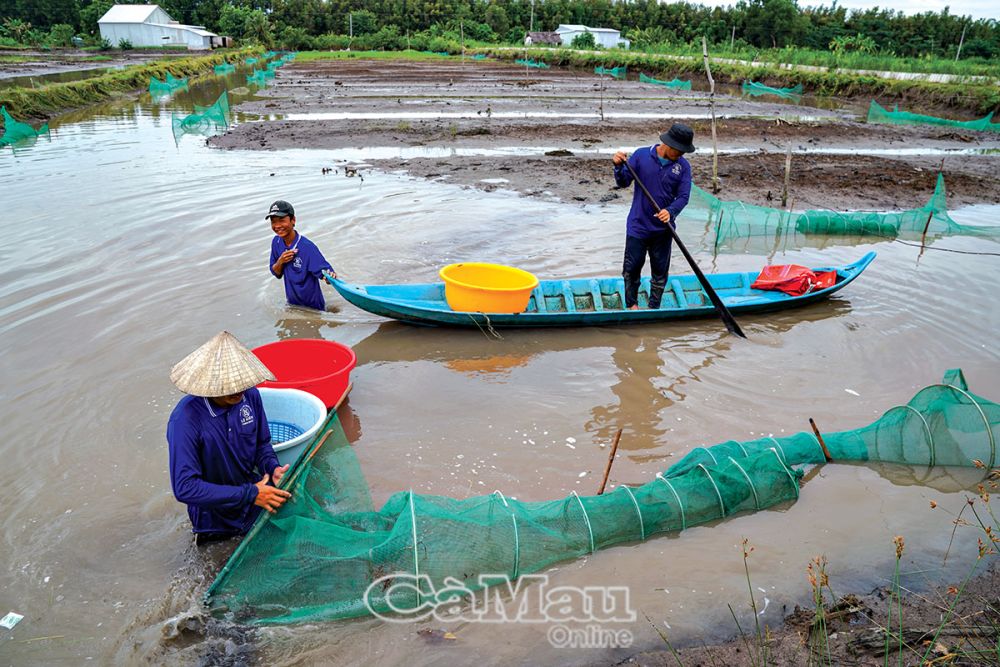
(129, 251)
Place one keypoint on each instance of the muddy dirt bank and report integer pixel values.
(61, 62)
(855, 632)
(550, 133)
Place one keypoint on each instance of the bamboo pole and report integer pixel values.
(819, 438)
(711, 105)
(611, 460)
(788, 173)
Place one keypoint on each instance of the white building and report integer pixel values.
(149, 25)
(605, 37)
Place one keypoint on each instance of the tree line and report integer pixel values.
(647, 23)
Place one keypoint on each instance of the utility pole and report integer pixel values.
(732, 40)
(461, 29)
(960, 42)
(350, 24)
(531, 22)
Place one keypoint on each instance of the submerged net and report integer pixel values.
(756, 89)
(616, 72)
(15, 131)
(329, 555)
(204, 120)
(251, 61)
(168, 86)
(878, 114)
(259, 77)
(733, 220)
(531, 63)
(224, 68)
(676, 84)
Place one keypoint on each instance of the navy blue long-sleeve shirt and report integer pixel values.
(217, 455)
(302, 275)
(670, 185)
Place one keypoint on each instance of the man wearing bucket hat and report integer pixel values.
(667, 175)
(296, 260)
(222, 463)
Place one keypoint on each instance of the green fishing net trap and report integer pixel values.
(168, 86)
(675, 84)
(730, 222)
(260, 77)
(531, 63)
(878, 114)
(224, 68)
(615, 72)
(755, 89)
(14, 131)
(328, 554)
(205, 120)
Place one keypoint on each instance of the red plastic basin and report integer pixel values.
(321, 367)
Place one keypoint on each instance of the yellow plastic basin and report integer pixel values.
(475, 287)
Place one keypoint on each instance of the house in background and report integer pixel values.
(149, 25)
(537, 38)
(605, 37)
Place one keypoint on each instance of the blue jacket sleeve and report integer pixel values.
(186, 474)
(318, 263)
(623, 177)
(683, 194)
(274, 258)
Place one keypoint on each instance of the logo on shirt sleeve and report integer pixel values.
(246, 416)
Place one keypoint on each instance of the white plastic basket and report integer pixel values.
(294, 417)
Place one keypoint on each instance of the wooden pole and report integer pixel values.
(732, 40)
(611, 460)
(960, 42)
(819, 438)
(711, 105)
(788, 173)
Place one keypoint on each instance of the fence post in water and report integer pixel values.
(711, 106)
(788, 172)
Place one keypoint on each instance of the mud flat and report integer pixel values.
(491, 125)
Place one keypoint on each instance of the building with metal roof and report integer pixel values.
(150, 25)
(605, 37)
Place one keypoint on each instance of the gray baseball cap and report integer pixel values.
(280, 209)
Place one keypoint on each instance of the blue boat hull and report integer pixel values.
(590, 301)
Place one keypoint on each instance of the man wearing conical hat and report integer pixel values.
(222, 464)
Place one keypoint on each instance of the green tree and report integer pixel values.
(365, 22)
(90, 14)
(496, 18)
(584, 41)
(61, 34)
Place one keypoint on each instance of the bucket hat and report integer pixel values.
(679, 136)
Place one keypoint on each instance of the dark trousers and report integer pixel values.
(658, 248)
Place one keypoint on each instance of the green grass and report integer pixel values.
(971, 98)
(309, 56)
(829, 59)
(45, 100)
(96, 59)
(17, 59)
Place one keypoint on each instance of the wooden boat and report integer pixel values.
(590, 301)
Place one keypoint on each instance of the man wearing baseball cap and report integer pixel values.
(667, 175)
(222, 463)
(296, 260)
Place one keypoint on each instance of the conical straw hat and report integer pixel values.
(220, 367)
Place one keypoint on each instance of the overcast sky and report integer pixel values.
(978, 9)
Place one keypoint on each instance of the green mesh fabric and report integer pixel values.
(169, 86)
(316, 558)
(260, 77)
(756, 89)
(224, 68)
(878, 114)
(15, 131)
(205, 120)
(676, 84)
(251, 61)
(531, 63)
(735, 220)
(616, 72)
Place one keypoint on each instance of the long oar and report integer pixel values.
(727, 317)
